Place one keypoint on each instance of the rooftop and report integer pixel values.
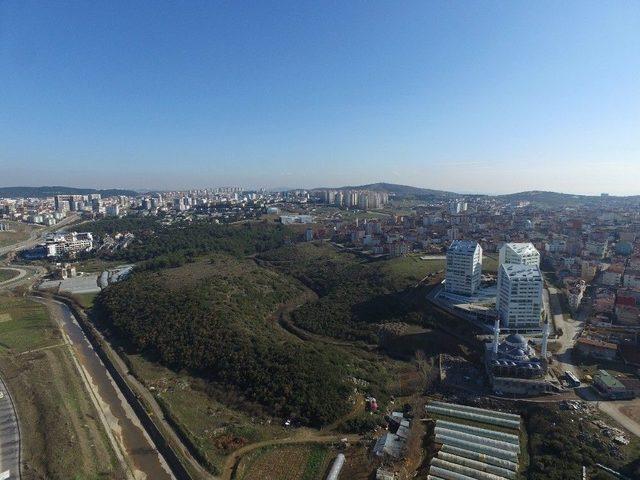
(597, 343)
(517, 271)
(463, 246)
(609, 380)
(522, 248)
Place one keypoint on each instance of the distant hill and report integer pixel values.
(42, 192)
(402, 190)
(534, 196)
(559, 199)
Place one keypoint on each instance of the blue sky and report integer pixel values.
(464, 96)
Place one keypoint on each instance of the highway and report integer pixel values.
(37, 234)
(21, 273)
(9, 436)
(132, 444)
(26, 276)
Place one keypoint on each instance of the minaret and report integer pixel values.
(496, 335)
(545, 338)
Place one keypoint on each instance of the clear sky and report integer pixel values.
(466, 96)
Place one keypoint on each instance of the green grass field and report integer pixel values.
(19, 232)
(24, 325)
(411, 269)
(94, 265)
(214, 428)
(287, 462)
(8, 274)
(61, 435)
(85, 299)
(489, 264)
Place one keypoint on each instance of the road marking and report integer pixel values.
(5, 475)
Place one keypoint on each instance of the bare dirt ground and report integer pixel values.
(632, 410)
(61, 434)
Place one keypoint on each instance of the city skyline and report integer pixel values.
(483, 97)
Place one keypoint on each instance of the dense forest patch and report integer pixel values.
(356, 296)
(216, 326)
(157, 245)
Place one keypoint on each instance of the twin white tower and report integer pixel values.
(520, 283)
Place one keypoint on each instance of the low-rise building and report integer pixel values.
(592, 347)
(57, 244)
(610, 387)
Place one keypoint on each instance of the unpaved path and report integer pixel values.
(302, 436)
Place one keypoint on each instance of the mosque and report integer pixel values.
(514, 367)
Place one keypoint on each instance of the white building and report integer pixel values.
(61, 243)
(519, 301)
(519, 253)
(293, 219)
(464, 267)
(516, 254)
(113, 210)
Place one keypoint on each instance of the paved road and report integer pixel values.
(21, 273)
(36, 235)
(27, 275)
(123, 424)
(614, 410)
(9, 436)
(571, 330)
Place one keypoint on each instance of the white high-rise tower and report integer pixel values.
(514, 254)
(464, 267)
(519, 301)
(519, 253)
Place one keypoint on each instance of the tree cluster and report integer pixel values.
(219, 331)
(555, 434)
(355, 296)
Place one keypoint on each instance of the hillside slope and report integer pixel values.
(210, 317)
(400, 190)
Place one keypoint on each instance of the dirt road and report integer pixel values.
(303, 436)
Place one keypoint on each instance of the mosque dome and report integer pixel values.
(516, 340)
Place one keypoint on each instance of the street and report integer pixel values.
(9, 436)
(36, 235)
(572, 328)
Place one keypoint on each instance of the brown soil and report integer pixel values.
(61, 434)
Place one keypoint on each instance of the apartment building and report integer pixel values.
(464, 267)
(519, 299)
